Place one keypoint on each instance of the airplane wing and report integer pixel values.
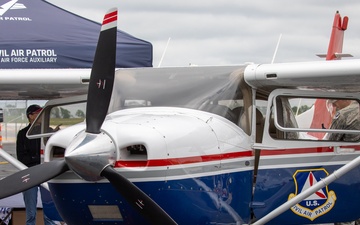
(333, 75)
(42, 84)
(338, 75)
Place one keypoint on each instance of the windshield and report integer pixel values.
(219, 90)
(203, 88)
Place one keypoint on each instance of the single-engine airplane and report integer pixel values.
(198, 145)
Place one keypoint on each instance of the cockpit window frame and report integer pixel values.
(269, 142)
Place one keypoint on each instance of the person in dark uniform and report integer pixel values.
(28, 152)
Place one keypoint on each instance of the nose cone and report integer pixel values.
(88, 154)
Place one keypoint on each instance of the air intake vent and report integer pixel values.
(137, 150)
(134, 153)
(58, 152)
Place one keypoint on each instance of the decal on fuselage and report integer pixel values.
(223, 187)
(317, 204)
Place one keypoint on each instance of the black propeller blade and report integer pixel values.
(137, 198)
(31, 177)
(102, 75)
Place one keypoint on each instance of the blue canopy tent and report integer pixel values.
(37, 34)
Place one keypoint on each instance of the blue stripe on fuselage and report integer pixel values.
(222, 198)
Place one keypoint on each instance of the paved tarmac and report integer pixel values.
(5, 167)
(8, 134)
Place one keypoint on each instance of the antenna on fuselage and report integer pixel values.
(277, 46)
(162, 57)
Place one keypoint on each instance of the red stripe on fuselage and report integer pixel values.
(304, 150)
(297, 151)
(226, 156)
(184, 160)
(110, 17)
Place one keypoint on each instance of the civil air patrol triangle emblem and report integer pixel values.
(317, 204)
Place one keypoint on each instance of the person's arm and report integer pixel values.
(337, 123)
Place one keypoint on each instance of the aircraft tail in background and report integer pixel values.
(337, 38)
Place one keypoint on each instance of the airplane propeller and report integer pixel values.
(33, 176)
(92, 152)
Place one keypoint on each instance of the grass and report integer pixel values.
(65, 122)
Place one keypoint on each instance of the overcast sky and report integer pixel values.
(229, 31)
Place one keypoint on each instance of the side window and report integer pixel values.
(66, 115)
(309, 118)
(55, 117)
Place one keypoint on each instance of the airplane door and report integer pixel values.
(293, 159)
